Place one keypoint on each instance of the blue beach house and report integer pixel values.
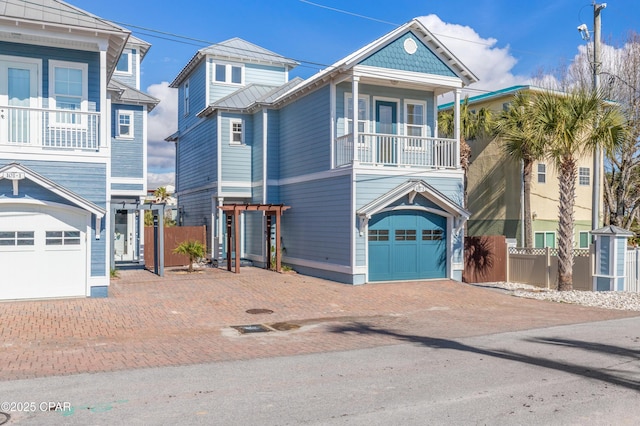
(72, 149)
(375, 195)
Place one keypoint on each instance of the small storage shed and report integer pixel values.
(611, 258)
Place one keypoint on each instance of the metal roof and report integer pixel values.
(235, 49)
(130, 95)
(54, 12)
(62, 19)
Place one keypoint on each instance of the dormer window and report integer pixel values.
(228, 73)
(124, 63)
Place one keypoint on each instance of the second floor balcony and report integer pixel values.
(378, 149)
(57, 129)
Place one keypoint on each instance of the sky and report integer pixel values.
(503, 42)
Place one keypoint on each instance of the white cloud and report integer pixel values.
(156, 180)
(163, 121)
(492, 65)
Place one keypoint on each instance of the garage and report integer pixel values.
(43, 250)
(407, 245)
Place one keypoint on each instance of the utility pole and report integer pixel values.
(597, 154)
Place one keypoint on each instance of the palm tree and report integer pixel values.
(573, 125)
(472, 125)
(161, 194)
(192, 249)
(516, 131)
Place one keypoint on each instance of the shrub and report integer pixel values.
(193, 249)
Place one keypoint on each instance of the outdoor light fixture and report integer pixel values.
(584, 32)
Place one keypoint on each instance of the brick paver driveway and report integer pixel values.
(149, 321)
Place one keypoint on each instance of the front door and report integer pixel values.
(386, 126)
(125, 235)
(18, 93)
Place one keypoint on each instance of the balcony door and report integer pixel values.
(386, 126)
(18, 93)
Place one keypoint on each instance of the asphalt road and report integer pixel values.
(578, 374)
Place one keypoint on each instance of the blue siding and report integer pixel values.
(306, 231)
(370, 187)
(52, 53)
(197, 151)
(88, 180)
(127, 154)
(127, 187)
(384, 92)
(605, 255)
(621, 249)
(197, 98)
(395, 57)
(256, 158)
(196, 211)
(305, 135)
(264, 74)
(273, 155)
(236, 159)
(129, 79)
(254, 233)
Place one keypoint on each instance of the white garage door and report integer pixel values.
(42, 251)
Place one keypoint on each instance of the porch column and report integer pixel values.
(456, 125)
(104, 109)
(218, 231)
(354, 117)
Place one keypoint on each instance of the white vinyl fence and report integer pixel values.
(632, 271)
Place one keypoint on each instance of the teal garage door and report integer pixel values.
(407, 245)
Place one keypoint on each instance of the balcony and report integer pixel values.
(395, 150)
(49, 129)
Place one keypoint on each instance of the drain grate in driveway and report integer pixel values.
(259, 311)
(251, 328)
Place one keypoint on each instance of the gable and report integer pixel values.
(395, 56)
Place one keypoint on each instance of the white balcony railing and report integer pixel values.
(397, 150)
(51, 129)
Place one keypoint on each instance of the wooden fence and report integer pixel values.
(173, 236)
(485, 259)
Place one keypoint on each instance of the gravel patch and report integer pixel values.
(619, 300)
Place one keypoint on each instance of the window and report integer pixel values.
(185, 92)
(125, 125)
(124, 63)
(16, 238)
(227, 73)
(544, 239)
(415, 123)
(431, 234)
(379, 235)
(584, 176)
(584, 240)
(62, 238)
(405, 234)
(236, 132)
(69, 91)
(363, 113)
(542, 173)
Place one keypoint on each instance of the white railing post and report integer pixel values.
(456, 125)
(356, 110)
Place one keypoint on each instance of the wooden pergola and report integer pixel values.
(233, 211)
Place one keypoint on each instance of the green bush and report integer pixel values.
(193, 249)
